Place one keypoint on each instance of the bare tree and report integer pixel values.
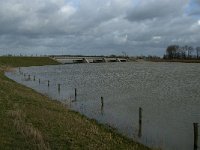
(181, 52)
(171, 51)
(186, 50)
(198, 51)
(190, 50)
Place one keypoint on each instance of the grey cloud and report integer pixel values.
(152, 9)
(95, 27)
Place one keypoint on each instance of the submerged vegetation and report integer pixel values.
(30, 120)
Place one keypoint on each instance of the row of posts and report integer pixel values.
(59, 88)
(48, 84)
(195, 125)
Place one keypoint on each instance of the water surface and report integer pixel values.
(169, 94)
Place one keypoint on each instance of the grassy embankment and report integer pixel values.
(29, 120)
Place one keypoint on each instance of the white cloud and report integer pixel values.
(198, 22)
(156, 38)
(67, 10)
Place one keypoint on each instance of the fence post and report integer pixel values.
(140, 122)
(48, 83)
(39, 81)
(195, 125)
(34, 78)
(102, 102)
(58, 87)
(75, 93)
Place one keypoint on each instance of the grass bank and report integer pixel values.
(30, 120)
(26, 61)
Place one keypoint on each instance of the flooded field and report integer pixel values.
(112, 93)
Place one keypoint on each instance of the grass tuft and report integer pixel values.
(27, 130)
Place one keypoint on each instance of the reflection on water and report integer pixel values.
(112, 93)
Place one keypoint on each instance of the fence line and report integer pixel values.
(195, 125)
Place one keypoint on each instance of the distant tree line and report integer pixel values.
(182, 52)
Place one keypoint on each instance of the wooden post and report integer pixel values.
(29, 77)
(34, 78)
(39, 81)
(58, 87)
(140, 122)
(102, 102)
(195, 125)
(48, 83)
(75, 93)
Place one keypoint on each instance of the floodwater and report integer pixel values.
(168, 93)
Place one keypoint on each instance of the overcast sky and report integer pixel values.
(97, 27)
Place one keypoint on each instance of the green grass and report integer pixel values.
(29, 120)
(26, 61)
